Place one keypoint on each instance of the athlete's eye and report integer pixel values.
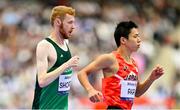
(70, 22)
(137, 35)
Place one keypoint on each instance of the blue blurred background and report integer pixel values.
(23, 23)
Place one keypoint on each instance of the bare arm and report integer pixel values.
(100, 63)
(142, 88)
(42, 65)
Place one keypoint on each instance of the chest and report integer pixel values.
(125, 70)
(58, 56)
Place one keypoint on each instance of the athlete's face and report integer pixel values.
(134, 40)
(67, 26)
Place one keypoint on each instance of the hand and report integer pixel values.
(156, 73)
(95, 96)
(73, 62)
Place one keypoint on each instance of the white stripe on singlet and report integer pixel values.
(116, 75)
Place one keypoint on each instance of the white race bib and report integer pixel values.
(64, 83)
(128, 89)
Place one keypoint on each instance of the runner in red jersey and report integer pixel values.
(127, 72)
(120, 83)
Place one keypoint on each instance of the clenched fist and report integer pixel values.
(156, 73)
(73, 62)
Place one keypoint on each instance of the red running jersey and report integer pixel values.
(113, 92)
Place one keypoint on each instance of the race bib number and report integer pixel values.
(128, 89)
(64, 84)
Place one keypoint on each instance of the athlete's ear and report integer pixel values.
(123, 40)
(57, 21)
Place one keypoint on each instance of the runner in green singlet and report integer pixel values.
(54, 62)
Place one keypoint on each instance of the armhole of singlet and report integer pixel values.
(116, 75)
(134, 62)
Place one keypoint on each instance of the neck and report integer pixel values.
(125, 53)
(57, 37)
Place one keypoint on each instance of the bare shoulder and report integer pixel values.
(43, 47)
(43, 43)
(106, 58)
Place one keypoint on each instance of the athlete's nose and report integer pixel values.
(139, 40)
(73, 26)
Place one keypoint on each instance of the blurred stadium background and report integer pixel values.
(25, 22)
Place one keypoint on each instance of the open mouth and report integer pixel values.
(139, 45)
(70, 32)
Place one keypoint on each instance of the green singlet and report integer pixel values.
(54, 95)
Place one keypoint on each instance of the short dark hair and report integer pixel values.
(122, 30)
